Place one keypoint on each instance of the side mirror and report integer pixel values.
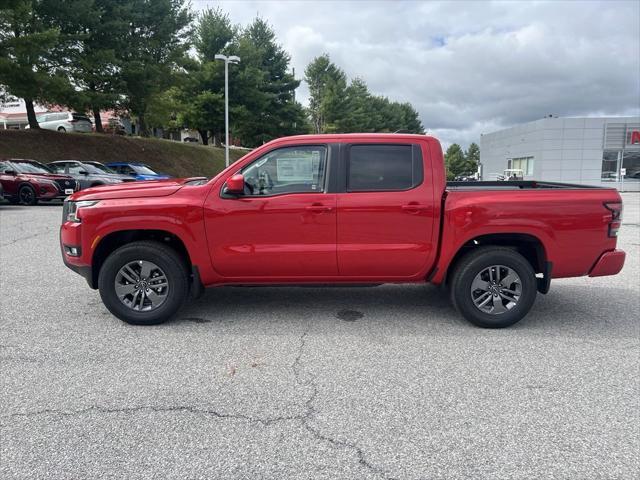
(11, 172)
(235, 184)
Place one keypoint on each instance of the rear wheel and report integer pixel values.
(27, 195)
(143, 283)
(493, 287)
(62, 129)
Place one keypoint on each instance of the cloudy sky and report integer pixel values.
(469, 67)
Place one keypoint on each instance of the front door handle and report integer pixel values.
(319, 208)
(414, 208)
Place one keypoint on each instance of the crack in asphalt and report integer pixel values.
(159, 409)
(27, 237)
(305, 418)
(311, 412)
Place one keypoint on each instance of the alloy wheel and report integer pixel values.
(27, 195)
(141, 285)
(496, 289)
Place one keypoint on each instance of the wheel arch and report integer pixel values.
(114, 240)
(528, 245)
(26, 183)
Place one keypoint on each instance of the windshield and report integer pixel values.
(30, 167)
(98, 167)
(143, 169)
(91, 168)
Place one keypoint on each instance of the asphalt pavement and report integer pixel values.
(313, 383)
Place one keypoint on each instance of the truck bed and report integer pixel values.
(515, 185)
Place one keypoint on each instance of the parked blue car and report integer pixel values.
(139, 171)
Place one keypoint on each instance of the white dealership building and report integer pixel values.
(585, 150)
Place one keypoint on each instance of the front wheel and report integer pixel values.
(143, 283)
(27, 195)
(493, 287)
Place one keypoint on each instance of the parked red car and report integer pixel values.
(28, 181)
(360, 208)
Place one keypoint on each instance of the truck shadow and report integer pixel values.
(410, 309)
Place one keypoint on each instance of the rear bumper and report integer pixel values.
(609, 263)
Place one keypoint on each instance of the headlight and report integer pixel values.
(71, 210)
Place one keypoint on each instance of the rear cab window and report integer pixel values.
(383, 167)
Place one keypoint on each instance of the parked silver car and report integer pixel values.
(65, 122)
(87, 174)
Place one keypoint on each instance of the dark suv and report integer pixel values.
(27, 181)
(87, 174)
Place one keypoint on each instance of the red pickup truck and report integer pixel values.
(329, 209)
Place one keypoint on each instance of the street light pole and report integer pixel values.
(227, 60)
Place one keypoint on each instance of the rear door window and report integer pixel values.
(383, 168)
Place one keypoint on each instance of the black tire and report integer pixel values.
(164, 257)
(62, 129)
(478, 261)
(27, 195)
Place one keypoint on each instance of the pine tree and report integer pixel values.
(455, 161)
(473, 158)
(31, 56)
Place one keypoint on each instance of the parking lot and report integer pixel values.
(382, 382)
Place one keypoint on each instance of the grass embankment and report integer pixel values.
(166, 156)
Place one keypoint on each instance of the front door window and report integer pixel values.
(287, 170)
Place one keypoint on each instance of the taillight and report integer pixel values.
(616, 217)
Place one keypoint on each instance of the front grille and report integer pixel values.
(63, 184)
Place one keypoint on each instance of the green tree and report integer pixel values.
(214, 31)
(455, 161)
(94, 32)
(336, 107)
(165, 110)
(473, 158)
(202, 90)
(30, 59)
(328, 103)
(153, 50)
(261, 88)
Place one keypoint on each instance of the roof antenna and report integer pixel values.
(403, 130)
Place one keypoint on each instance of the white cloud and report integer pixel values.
(470, 67)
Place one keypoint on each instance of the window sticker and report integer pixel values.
(296, 169)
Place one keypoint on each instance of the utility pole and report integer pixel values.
(227, 60)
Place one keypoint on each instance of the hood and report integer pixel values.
(152, 177)
(107, 178)
(50, 176)
(156, 188)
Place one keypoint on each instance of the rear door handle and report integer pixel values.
(319, 208)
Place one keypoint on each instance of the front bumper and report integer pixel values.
(70, 236)
(609, 263)
(83, 270)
